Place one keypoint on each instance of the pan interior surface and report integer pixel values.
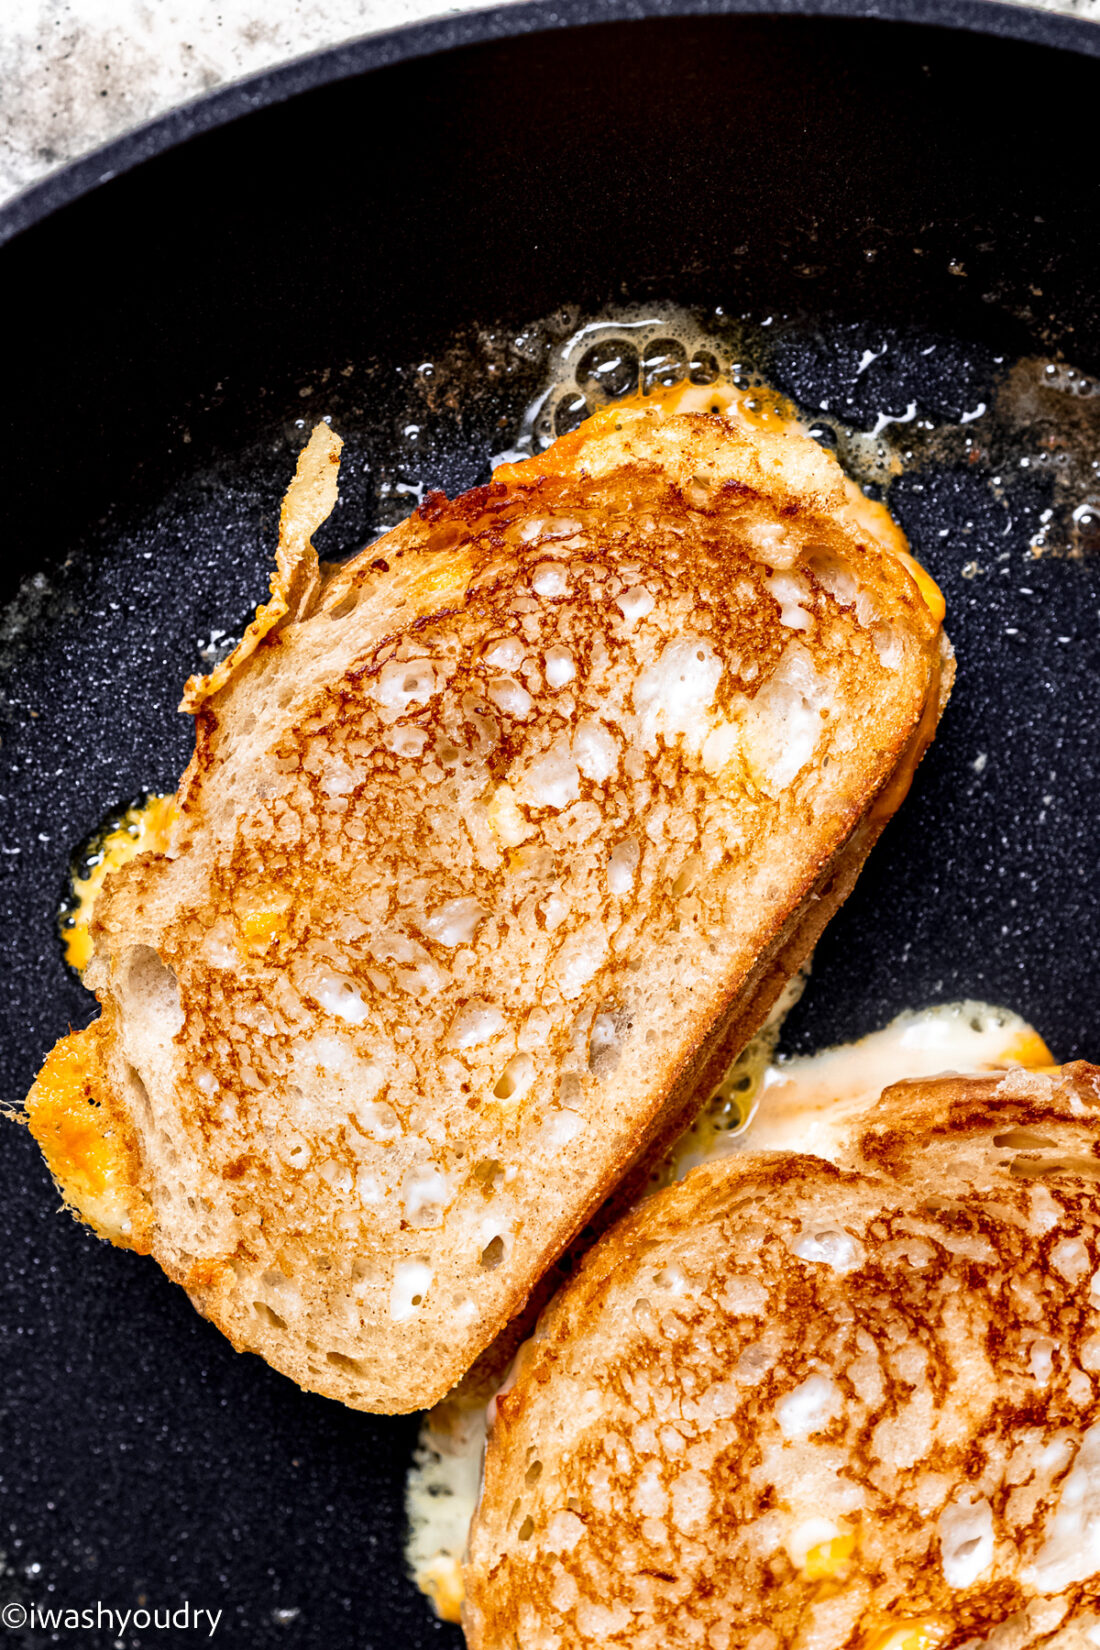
(885, 222)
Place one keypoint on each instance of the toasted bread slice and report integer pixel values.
(790, 1403)
(496, 841)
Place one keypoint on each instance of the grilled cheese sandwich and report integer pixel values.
(842, 1401)
(497, 843)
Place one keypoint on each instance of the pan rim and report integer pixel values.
(1004, 19)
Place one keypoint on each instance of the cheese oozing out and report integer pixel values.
(795, 1104)
(765, 1104)
(82, 1142)
(141, 828)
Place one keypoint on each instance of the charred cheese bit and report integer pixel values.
(917, 1633)
(79, 1139)
(144, 828)
(441, 1581)
(829, 1559)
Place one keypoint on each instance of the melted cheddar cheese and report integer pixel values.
(829, 1560)
(914, 1633)
(143, 828)
(260, 928)
(69, 1115)
(778, 1105)
(443, 1585)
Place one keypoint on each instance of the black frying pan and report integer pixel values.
(930, 182)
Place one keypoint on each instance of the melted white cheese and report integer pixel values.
(441, 1493)
(798, 1102)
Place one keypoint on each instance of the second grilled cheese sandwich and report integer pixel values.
(845, 1403)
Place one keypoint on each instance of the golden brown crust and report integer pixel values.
(941, 1142)
(791, 947)
(790, 1402)
(513, 822)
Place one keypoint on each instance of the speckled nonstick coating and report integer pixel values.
(389, 204)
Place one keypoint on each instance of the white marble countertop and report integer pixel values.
(76, 73)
